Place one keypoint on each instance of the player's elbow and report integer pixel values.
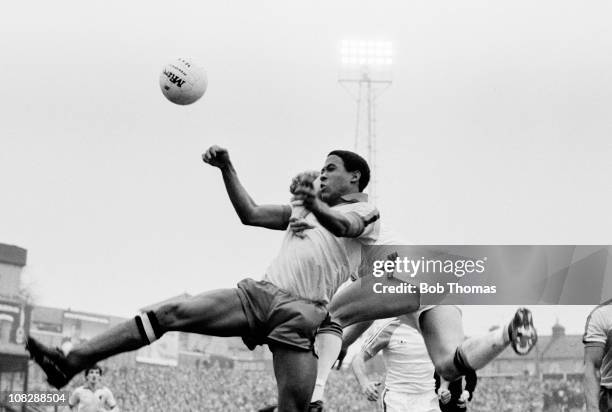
(349, 227)
(252, 219)
(339, 230)
(347, 232)
(345, 229)
(593, 357)
(248, 216)
(247, 220)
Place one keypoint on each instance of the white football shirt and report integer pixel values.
(315, 266)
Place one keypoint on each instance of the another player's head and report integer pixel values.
(93, 374)
(344, 172)
(308, 178)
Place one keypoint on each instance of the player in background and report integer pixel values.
(454, 355)
(454, 396)
(92, 396)
(408, 383)
(354, 307)
(285, 309)
(597, 341)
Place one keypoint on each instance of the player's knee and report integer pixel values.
(461, 363)
(446, 369)
(451, 369)
(340, 311)
(172, 315)
(342, 317)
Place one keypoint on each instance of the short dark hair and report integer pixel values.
(94, 367)
(353, 162)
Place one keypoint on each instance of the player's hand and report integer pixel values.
(298, 226)
(308, 196)
(465, 395)
(371, 391)
(444, 396)
(216, 156)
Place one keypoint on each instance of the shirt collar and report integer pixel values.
(355, 197)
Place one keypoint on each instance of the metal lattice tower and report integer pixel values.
(366, 74)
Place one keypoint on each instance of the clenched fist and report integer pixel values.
(217, 156)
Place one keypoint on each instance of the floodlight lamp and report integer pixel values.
(362, 53)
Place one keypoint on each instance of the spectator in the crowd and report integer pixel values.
(92, 396)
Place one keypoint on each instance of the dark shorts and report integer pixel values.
(330, 326)
(276, 316)
(605, 399)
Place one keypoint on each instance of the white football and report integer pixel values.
(182, 81)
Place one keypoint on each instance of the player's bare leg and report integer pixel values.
(353, 332)
(295, 373)
(359, 303)
(453, 355)
(217, 313)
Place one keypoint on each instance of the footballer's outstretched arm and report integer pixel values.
(249, 212)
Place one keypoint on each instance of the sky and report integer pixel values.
(496, 130)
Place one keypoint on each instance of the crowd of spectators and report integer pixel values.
(508, 394)
(149, 388)
(211, 387)
(528, 394)
(566, 393)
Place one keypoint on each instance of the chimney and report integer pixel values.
(557, 330)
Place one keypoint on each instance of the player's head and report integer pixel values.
(93, 374)
(344, 172)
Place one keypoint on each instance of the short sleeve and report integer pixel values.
(595, 331)
(380, 338)
(364, 216)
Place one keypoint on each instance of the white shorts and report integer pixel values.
(413, 402)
